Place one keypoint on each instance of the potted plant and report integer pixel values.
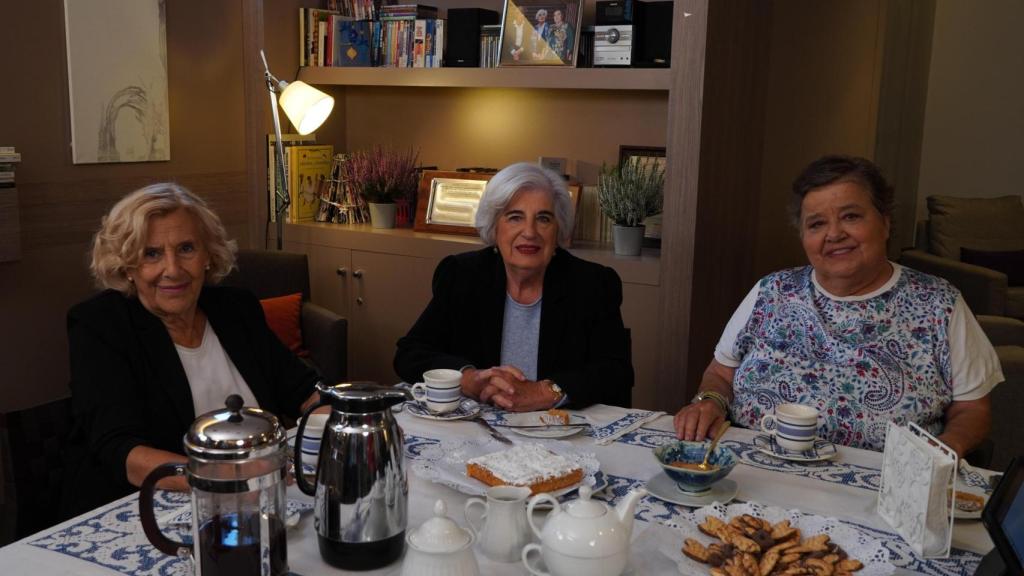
(629, 194)
(381, 176)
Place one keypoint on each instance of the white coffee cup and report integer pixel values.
(795, 426)
(312, 435)
(440, 391)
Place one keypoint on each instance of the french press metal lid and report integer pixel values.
(234, 433)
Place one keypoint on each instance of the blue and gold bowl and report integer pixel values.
(691, 480)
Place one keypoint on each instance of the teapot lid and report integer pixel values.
(584, 507)
(362, 397)
(234, 433)
(440, 533)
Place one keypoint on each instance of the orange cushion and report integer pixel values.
(282, 315)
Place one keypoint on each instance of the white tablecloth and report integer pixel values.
(109, 540)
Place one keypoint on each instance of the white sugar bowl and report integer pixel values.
(440, 547)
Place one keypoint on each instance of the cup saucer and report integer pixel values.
(822, 450)
(663, 488)
(466, 409)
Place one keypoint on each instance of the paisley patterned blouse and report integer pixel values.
(862, 362)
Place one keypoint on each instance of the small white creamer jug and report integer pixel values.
(505, 530)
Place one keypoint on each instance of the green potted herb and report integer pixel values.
(628, 195)
(381, 176)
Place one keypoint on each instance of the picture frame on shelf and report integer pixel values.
(447, 201)
(644, 154)
(540, 33)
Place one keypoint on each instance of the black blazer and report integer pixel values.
(583, 344)
(128, 387)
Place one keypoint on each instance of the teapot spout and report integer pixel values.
(627, 507)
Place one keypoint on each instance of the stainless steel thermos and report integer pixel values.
(361, 488)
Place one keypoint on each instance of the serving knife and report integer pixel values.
(537, 426)
(493, 432)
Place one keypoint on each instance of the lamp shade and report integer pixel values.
(305, 106)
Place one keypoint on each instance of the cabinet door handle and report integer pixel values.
(358, 273)
(342, 271)
(359, 301)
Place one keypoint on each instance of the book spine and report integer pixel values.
(419, 38)
(7, 150)
(439, 43)
(302, 36)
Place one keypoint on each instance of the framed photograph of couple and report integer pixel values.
(540, 32)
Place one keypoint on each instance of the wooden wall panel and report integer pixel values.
(61, 203)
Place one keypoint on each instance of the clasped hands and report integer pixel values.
(508, 388)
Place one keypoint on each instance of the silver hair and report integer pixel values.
(541, 12)
(524, 176)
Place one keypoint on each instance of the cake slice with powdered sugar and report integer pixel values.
(529, 464)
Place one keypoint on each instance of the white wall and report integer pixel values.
(974, 117)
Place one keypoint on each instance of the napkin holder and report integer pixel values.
(917, 473)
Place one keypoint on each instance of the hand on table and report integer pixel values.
(508, 388)
(696, 421)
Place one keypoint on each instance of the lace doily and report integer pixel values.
(445, 462)
(857, 544)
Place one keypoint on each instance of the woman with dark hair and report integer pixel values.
(862, 339)
(529, 325)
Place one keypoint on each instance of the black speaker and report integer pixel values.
(652, 34)
(463, 42)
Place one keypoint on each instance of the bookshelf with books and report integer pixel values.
(494, 116)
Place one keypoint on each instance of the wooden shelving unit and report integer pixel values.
(640, 79)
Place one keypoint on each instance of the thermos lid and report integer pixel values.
(234, 433)
(440, 533)
(362, 397)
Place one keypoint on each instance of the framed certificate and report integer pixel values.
(447, 201)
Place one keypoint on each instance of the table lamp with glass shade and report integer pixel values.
(306, 108)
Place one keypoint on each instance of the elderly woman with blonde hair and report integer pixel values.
(161, 345)
(529, 325)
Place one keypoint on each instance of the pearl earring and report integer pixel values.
(207, 267)
(130, 279)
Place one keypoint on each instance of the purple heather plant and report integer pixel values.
(382, 175)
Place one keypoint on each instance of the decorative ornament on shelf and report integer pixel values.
(382, 176)
(628, 194)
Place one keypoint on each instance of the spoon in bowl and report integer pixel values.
(711, 448)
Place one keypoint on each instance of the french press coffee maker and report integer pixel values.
(237, 464)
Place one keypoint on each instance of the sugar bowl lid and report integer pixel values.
(440, 534)
(234, 433)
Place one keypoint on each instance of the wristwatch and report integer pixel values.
(559, 394)
(714, 397)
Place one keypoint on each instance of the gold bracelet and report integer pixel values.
(715, 397)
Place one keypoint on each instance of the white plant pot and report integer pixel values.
(628, 239)
(382, 215)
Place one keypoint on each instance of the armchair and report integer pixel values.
(979, 223)
(324, 333)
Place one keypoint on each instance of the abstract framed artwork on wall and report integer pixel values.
(117, 80)
(540, 33)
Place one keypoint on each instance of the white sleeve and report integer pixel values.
(972, 360)
(725, 350)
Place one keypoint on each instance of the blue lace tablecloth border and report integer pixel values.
(113, 539)
(836, 472)
(901, 555)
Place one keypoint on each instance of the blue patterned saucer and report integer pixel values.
(467, 409)
(822, 450)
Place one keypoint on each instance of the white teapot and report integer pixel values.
(583, 536)
(440, 547)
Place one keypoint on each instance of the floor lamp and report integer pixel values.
(306, 108)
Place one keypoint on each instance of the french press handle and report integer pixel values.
(300, 477)
(148, 518)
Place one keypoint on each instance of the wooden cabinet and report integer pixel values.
(381, 295)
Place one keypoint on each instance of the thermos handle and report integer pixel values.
(146, 514)
(300, 478)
